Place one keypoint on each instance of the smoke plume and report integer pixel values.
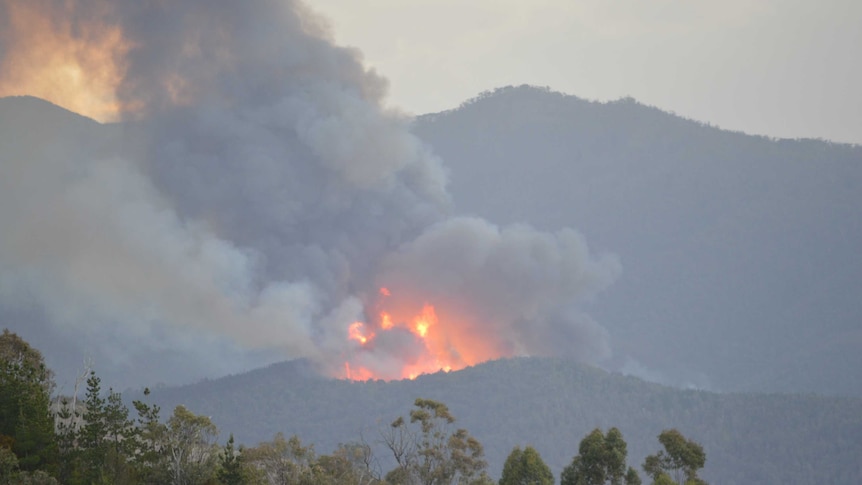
(250, 202)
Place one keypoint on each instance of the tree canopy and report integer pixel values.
(601, 459)
(433, 454)
(679, 461)
(95, 441)
(26, 420)
(526, 468)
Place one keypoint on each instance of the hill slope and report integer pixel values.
(37, 137)
(740, 254)
(741, 267)
(551, 404)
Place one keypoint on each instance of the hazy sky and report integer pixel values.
(786, 68)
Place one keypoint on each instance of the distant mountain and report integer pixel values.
(33, 128)
(550, 404)
(741, 267)
(36, 132)
(741, 254)
(741, 272)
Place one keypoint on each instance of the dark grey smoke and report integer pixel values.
(258, 194)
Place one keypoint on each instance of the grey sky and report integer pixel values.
(784, 68)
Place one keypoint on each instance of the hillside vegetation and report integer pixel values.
(549, 404)
(740, 272)
(740, 254)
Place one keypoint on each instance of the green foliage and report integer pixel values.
(632, 477)
(11, 475)
(26, 422)
(230, 468)
(615, 457)
(27, 363)
(66, 420)
(151, 434)
(789, 439)
(601, 458)
(280, 461)
(526, 468)
(121, 439)
(8, 466)
(98, 443)
(188, 447)
(680, 459)
(433, 454)
(28, 444)
(103, 448)
(37, 477)
(350, 464)
(663, 479)
(108, 447)
(91, 438)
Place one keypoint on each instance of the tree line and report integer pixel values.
(61, 440)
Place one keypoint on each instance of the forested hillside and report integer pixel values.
(740, 254)
(740, 267)
(549, 404)
(237, 262)
(286, 424)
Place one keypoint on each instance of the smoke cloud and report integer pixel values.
(252, 200)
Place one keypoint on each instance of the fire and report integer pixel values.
(441, 341)
(360, 374)
(385, 321)
(357, 332)
(75, 66)
(424, 321)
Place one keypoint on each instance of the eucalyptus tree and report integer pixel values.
(429, 452)
(526, 468)
(679, 461)
(26, 420)
(601, 459)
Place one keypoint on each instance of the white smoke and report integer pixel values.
(516, 287)
(249, 203)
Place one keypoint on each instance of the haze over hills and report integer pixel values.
(549, 404)
(727, 227)
(257, 201)
(740, 254)
(109, 254)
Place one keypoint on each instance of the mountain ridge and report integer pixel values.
(549, 403)
(605, 175)
(792, 325)
(739, 249)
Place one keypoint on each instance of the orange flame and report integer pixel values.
(445, 342)
(385, 321)
(360, 374)
(424, 321)
(78, 67)
(356, 331)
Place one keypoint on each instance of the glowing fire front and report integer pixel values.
(76, 65)
(432, 348)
